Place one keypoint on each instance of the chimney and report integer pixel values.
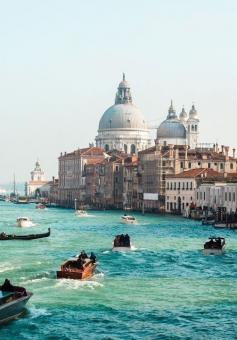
(233, 153)
(217, 147)
(227, 150)
(171, 151)
(222, 149)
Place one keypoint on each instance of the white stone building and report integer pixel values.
(217, 195)
(38, 185)
(182, 130)
(123, 126)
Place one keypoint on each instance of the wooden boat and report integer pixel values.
(12, 301)
(128, 219)
(121, 243)
(215, 246)
(5, 237)
(77, 268)
(81, 213)
(24, 222)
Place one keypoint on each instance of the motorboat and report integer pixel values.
(215, 246)
(81, 213)
(79, 267)
(6, 237)
(220, 225)
(121, 243)
(40, 206)
(24, 222)
(12, 301)
(128, 219)
(208, 220)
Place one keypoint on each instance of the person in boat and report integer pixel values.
(116, 241)
(79, 263)
(83, 255)
(121, 240)
(7, 286)
(126, 241)
(93, 257)
(3, 235)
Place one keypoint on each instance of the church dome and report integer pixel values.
(172, 127)
(183, 115)
(122, 116)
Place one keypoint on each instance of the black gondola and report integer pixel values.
(5, 237)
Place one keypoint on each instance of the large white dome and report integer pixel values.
(122, 116)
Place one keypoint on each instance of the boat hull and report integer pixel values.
(12, 310)
(121, 248)
(213, 251)
(85, 274)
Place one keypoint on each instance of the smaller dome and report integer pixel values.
(171, 128)
(183, 115)
(193, 113)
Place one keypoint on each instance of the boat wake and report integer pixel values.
(78, 284)
(37, 312)
(5, 267)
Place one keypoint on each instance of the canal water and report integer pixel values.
(164, 289)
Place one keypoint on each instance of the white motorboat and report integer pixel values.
(220, 225)
(128, 219)
(216, 246)
(24, 222)
(122, 243)
(81, 213)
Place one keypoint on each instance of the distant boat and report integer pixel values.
(5, 237)
(121, 243)
(40, 206)
(12, 301)
(81, 213)
(128, 219)
(215, 246)
(22, 200)
(24, 222)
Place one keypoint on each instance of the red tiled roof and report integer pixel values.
(193, 173)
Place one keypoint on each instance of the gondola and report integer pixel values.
(5, 237)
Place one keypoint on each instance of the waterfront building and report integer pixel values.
(123, 126)
(218, 194)
(182, 130)
(181, 189)
(38, 185)
(159, 161)
(71, 180)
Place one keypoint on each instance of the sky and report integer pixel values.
(61, 62)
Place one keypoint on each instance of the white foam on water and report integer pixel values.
(37, 312)
(106, 252)
(77, 284)
(6, 267)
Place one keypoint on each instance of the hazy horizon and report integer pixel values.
(61, 64)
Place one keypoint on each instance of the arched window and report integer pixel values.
(196, 127)
(125, 148)
(133, 149)
(192, 127)
(106, 147)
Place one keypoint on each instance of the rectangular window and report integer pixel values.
(183, 186)
(179, 186)
(229, 196)
(209, 165)
(117, 168)
(222, 166)
(225, 196)
(233, 196)
(189, 165)
(191, 185)
(182, 165)
(186, 185)
(197, 195)
(168, 205)
(204, 195)
(174, 185)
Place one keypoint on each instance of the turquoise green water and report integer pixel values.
(164, 289)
